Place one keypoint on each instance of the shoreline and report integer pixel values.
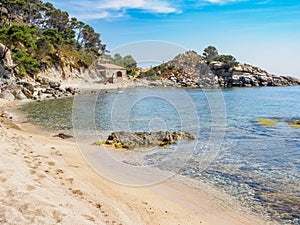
(47, 179)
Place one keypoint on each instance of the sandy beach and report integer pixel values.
(45, 180)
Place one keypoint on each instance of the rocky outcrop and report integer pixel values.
(245, 75)
(38, 89)
(146, 139)
(6, 63)
(192, 70)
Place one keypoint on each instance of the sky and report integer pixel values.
(264, 33)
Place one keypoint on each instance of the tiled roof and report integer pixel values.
(111, 66)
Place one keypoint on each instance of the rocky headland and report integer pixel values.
(193, 70)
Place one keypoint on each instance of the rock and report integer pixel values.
(146, 139)
(43, 81)
(63, 136)
(27, 85)
(8, 62)
(19, 95)
(72, 90)
(7, 94)
(54, 84)
(218, 65)
(26, 92)
(192, 70)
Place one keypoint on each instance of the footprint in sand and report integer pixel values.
(41, 176)
(77, 192)
(51, 163)
(89, 218)
(70, 180)
(30, 187)
(98, 205)
(3, 179)
(57, 215)
(59, 171)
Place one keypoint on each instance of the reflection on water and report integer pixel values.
(258, 164)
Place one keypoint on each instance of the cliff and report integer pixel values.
(50, 82)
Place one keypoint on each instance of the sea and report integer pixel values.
(247, 139)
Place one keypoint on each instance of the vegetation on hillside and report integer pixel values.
(211, 54)
(187, 61)
(128, 62)
(39, 36)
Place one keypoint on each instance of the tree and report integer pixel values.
(35, 31)
(77, 26)
(210, 53)
(229, 59)
(129, 62)
(91, 42)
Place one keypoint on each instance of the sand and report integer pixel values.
(45, 180)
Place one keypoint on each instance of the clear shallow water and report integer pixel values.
(257, 164)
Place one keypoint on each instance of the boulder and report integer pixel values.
(19, 95)
(54, 84)
(63, 136)
(27, 86)
(7, 94)
(133, 140)
(26, 92)
(42, 81)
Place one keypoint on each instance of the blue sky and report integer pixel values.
(265, 33)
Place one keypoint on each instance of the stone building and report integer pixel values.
(112, 72)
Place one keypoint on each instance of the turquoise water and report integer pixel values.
(257, 164)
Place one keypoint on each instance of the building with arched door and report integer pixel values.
(112, 72)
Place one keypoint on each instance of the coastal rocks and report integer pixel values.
(134, 140)
(39, 89)
(245, 75)
(192, 70)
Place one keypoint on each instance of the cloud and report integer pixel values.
(222, 2)
(100, 9)
(264, 2)
(157, 6)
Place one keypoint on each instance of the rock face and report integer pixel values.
(6, 63)
(192, 70)
(47, 84)
(146, 139)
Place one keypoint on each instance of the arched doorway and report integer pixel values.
(119, 74)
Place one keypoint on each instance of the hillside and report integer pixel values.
(193, 70)
(41, 46)
(41, 36)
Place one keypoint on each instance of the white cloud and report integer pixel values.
(264, 2)
(99, 9)
(157, 6)
(223, 1)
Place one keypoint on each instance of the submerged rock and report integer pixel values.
(131, 140)
(267, 122)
